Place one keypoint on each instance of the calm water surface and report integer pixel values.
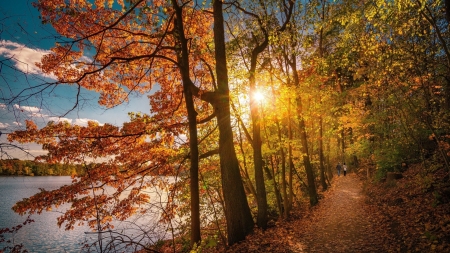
(44, 235)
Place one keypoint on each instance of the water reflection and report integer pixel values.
(44, 235)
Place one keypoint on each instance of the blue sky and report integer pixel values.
(23, 40)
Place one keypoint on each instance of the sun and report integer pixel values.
(258, 96)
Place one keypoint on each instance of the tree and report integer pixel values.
(255, 42)
(291, 58)
(345, 75)
(239, 219)
(135, 46)
(386, 69)
(183, 59)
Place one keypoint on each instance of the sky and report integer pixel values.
(23, 41)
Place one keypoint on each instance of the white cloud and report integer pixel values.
(84, 122)
(57, 119)
(29, 109)
(36, 112)
(80, 122)
(17, 123)
(2, 106)
(4, 125)
(24, 58)
(32, 111)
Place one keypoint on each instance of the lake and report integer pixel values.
(44, 235)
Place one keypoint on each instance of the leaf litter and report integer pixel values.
(357, 216)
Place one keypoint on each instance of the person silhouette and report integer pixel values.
(338, 168)
(345, 169)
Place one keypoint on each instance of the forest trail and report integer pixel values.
(342, 222)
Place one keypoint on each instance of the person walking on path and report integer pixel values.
(338, 168)
(345, 169)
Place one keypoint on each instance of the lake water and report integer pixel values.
(44, 235)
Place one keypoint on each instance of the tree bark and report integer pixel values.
(290, 158)
(313, 199)
(237, 212)
(183, 59)
(261, 197)
(321, 156)
(247, 181)
(292, 61)
(283, 175)
(271, 173)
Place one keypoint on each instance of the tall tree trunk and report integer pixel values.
(313, 199)
(329, 167)
(183, 59)
(237, 212)
(292, 62)
(321, 156)
(247, 181)
(261, 197)
(291, 162)
(277, 191)
(193, 146)
(283, 175)
(259, 176)
(271, 174)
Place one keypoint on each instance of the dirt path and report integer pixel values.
(341, 222)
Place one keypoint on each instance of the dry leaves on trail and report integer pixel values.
(411, 214)
(417, 207)
(340, 223)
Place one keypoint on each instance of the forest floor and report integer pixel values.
(340, 223)
(353, 216)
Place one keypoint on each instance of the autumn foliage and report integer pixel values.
(366, 83)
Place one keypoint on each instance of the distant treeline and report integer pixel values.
(16, 167)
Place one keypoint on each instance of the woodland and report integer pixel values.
(16, 167)
(255, 104)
